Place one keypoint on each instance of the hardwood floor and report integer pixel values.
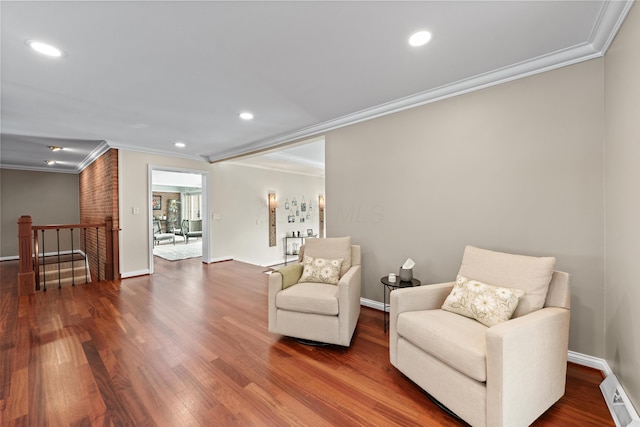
(189, 346)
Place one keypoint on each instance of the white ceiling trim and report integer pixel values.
(99, 151)
(611, 17)
(36, 168)
(158, 152)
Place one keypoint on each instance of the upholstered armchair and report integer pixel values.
(318, 299)
(190, 228)
(159, 235)
(505, 374)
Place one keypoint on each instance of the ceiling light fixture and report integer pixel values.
(50, 162)
(55, 148)
(180, 144)
(45, 49)
(245, 115)
(420, 38)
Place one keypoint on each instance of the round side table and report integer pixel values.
(388, 287)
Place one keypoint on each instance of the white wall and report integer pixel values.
(517, 168)
(622, 154)
(240, 199)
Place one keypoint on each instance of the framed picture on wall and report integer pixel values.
(156, 202)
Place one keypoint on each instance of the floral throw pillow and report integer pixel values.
(321, 270)
(485, 303)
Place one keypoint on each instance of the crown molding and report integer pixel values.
(126, 147)
(610, 19)
(612, 15)
(97, 152)
(37, 168)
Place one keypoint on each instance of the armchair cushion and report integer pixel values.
(531, 274)
(456, 340)
(290, 274)
(485, 303)
(308, 297)
(331, 248)
(321, 270)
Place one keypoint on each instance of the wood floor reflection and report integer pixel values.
(189, 346)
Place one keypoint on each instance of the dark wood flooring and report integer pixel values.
(189, 346)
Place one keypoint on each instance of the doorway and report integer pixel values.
(178, 221)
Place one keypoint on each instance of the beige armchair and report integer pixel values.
(314, 311)
(504, 375)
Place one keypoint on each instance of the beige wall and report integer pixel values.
(622, 226)
(516, 168)
(240, 199)
(50, 198)
(134, 188)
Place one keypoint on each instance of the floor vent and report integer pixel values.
(618, 402)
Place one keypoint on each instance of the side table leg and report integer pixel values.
(384, 307)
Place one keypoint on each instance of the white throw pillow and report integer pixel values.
(321, 270)
(485, 303)
(331, 248)
(532, 274)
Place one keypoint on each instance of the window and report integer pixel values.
(192, 203)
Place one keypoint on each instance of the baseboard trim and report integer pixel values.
(589, 361)
(137, 273)
(372, 304)
(220, 259)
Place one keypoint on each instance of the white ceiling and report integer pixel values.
(142, 75)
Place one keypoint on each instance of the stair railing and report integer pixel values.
(100, 253)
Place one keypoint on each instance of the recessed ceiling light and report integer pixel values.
(180, 144)
(420, 38)
(55, 148)
(245, 115)
(45, 49)
(50, 162)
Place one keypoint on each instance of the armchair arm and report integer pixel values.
(275, 286)
(277, 283)
(290, 274)
(427, 297)
(526, 366)
(349, 290)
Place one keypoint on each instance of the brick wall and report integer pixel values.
(99, 199)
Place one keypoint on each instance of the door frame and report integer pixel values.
(205, 207)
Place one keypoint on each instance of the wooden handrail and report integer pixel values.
(29, 250)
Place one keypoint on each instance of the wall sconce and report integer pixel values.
(273, 204)
(321, 214)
